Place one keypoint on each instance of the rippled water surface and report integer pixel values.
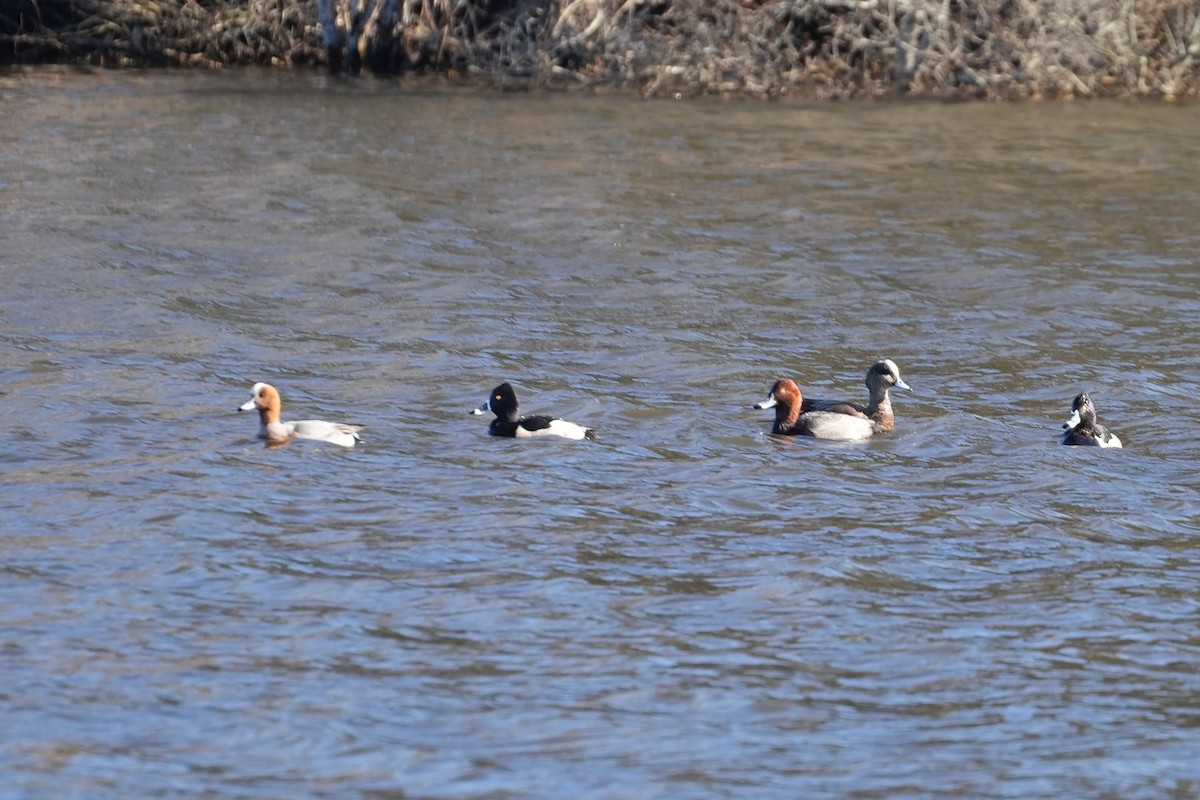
(688, 607)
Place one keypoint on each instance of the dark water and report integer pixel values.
(687, 608)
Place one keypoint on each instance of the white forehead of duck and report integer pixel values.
(877, 370)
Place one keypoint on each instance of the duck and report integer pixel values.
(792, 420)
(508, 422)
(881, 376)
(1082, 429)
(265, 399)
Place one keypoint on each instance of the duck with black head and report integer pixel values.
(1083, 429)
(508, 422)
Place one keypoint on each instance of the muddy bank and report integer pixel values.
(994, 49)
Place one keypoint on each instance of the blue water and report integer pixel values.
(688, 607)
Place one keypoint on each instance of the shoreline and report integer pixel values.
(769, 49)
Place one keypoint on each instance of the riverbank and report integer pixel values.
(827, 49)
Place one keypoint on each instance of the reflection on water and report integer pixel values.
(688, 607)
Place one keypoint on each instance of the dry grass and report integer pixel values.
(768, 48)
(159, 32)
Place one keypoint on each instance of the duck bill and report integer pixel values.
(483, 409)
(247, 406)
(1073, 421)
(768, 403)
(902, 385)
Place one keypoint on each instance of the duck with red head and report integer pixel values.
(791, 420)
(264, 398)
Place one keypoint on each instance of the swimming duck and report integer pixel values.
(265, 398)
(1082, 429)
(508, 422)
(788, 403)
(881, 376)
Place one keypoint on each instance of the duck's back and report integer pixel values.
(834, 407)
(1097, 436)
(540, 425)
(320, 430)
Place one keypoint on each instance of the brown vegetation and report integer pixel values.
(768, 48)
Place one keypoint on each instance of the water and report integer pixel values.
(686, 608)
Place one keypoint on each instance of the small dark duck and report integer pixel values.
(1083, 430)
(508, 422)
